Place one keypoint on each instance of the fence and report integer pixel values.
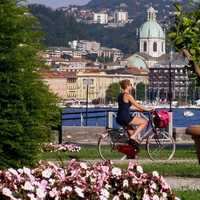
(108, 115)
(84, 116)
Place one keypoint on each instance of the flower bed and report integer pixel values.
(61, 147)
(100, 181)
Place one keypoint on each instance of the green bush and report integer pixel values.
(27, 109)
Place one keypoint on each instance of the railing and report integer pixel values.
(108, 115)
(83, 116)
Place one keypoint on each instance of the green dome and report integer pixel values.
(137, 61)
(151, 29)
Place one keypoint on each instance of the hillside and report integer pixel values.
(136, 8)
(59, 28)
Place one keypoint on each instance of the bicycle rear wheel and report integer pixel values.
(160, 145)
(107, 150)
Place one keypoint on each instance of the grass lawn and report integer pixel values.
(91, 152)
(188, 194)
(168, 169)
(184, 169)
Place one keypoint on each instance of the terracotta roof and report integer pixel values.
(131, 70)
(92, 70)
(57, 74)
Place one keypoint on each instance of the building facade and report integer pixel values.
(100, 18)
(89, 46)
(152, 57)
(120, 17)
(72, 86)
(159, 76)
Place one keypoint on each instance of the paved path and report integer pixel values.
(183, 183)
(145, 161)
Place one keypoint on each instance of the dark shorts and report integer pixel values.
(124, 121)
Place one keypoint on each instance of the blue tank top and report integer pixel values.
(123, 108)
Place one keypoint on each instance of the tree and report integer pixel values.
(112, 92)
(185, 34)
(27, 109)
(140, 91)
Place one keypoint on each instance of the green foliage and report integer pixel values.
(112, 92)
(28, 110)
(185, 31)
(140, 91)
(60, 29)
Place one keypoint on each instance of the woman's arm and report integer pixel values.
(137, 105)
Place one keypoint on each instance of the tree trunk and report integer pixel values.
(196, 67)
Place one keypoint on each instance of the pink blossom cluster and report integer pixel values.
(78, 180)
(61, 147)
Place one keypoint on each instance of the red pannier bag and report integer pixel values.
(161, 118)
(126, 149)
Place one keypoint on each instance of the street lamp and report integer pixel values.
(87, 82)
(170, 94)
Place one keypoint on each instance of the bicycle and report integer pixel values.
(159, 144)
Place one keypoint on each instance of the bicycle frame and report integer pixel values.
(150, 128)
(117, 138)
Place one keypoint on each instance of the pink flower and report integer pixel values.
(6, 192)
(31, 196)
(28, 186)
(125, 183)
(47, 173)
(155, 174)
(126, 195)
(40, 193)
(66, 189)
(79, 191)
(139, 169)
(105, 169)
(146, 197)
(53, 193)
(83, 165)
(116, 171)
(155, 197)
(104, 194)
(132, 164)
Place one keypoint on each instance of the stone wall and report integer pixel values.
(89, 135)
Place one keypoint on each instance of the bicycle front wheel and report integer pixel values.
(160, 145)
(107, 150)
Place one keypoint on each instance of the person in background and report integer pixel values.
(126, 102)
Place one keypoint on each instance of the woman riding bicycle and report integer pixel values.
(124, 117)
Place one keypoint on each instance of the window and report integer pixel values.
(145, 46)
(154, 46)
(162, 46)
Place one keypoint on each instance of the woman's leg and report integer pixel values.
(140, 123)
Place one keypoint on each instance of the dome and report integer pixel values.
(151, 29)
(137, 61)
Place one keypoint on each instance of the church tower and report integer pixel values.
(152, 36)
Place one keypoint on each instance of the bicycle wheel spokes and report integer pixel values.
(107, 150)
(160, 146)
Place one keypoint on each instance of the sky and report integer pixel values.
(59, 3)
